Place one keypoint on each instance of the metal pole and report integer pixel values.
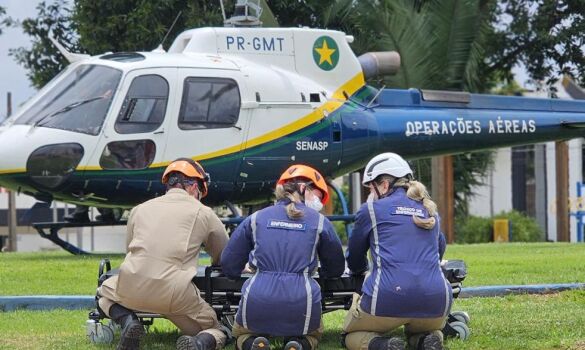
(80, 237)
(579, 213)
(562, 168)
(11, 221)
(11, 196)
(55, 213)
(355, 186)
(92, 230)
(66, 213)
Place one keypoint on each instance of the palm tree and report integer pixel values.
(440, 43)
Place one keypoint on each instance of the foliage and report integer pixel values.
(338, 210)
(3, 20)
(546, 37)
(474, 229)
(43, 61)
(468, 171)
(441, 47)
(295, 13)
(139, 25)
(524, 228)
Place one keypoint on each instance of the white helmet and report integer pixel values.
(386, 163)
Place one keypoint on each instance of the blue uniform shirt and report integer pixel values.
(406, 279)
(282, 299)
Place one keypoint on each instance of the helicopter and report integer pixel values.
(246, 102)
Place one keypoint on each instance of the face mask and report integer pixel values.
(314, 203)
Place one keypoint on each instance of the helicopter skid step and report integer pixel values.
(50, 230)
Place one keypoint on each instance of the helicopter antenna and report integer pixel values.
(222, 10)
(70, 56)
(160, 46)
(375, 96)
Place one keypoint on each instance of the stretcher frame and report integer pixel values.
(224, 295)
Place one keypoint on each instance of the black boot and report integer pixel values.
(256, 343)
(297, 343)
(431, 341)
(80, 215)
(132, 329)
(386, 343)
(202, 341)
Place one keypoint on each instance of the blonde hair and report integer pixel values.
(418, 192)
(289, 190)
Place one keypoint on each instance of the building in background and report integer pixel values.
(94, 239)
(523, 178)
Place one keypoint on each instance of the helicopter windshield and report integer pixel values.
(79, 102)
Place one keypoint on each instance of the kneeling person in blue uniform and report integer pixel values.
(281, 244)
(399, 224)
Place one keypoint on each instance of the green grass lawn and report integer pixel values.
(515, 322)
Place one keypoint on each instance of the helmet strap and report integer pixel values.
(302, 190)
(377, 191)
(390, 189)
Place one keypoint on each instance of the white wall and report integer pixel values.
(551, 191)
(496, 195)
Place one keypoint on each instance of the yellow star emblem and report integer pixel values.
(325, 53)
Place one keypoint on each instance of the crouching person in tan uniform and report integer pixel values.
(165, 236)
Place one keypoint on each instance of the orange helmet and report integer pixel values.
(190, 169)
(306, 172)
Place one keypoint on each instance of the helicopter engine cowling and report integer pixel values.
(376, 64)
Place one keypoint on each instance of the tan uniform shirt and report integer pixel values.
(165, 236)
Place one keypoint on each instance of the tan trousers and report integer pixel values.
(197, 318)
(241, 334)
(361, 327)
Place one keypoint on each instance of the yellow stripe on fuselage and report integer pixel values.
(12, 171)
(349, 88)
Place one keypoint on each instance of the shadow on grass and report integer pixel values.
(71, 257)
(333, 337)
(163, 337)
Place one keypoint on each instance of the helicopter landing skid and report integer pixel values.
(54, 228)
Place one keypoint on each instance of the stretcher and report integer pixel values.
(224, 294)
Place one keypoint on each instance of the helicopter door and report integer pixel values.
(210, 127)
(134, 137)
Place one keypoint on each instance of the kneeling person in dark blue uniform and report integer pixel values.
(281, 244)
(399, 224)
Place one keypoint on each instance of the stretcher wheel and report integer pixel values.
(101, 334)
(463, 331)
(461, 316)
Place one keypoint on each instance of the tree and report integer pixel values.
(459, 45)
(441, 45)
(96, 27)
(43, 61)
(545, 36)
(4, 21)
(138, 25)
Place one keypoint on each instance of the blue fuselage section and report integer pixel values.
(368, 123)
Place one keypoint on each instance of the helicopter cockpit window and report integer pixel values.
(145, 105)
(79, 102)
(123, 155)
(209, 103)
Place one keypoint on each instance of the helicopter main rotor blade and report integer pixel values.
(574, 90)
(268, 19)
